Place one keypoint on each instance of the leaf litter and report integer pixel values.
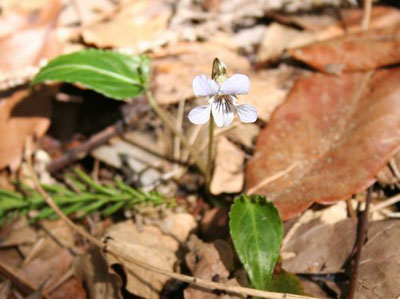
(337, 120)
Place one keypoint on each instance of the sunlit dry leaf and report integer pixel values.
(228, 173)
(32, 43)
(277, 38)
(353, 52)
(135, 26)
(22, 114)
(149, 245)
(340, 130)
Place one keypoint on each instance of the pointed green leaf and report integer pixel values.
(257, 231)
(112, 74)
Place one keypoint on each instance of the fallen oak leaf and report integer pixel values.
(341, 130)
(353, 52)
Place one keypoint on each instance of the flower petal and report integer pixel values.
(204, 87)
(237, 84)
(199, 115)
(222, 112)
(247, 113)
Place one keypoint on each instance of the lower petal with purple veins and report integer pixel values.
(247, 113)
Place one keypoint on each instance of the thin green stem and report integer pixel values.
(210, 151)
(167, 121)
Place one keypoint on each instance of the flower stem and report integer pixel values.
(210, 151)
(168, 123)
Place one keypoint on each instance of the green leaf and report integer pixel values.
(257, 231)
(112, 74)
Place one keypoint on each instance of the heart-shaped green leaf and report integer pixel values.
(257, 231)
(113, 74)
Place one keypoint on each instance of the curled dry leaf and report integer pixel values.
(92, 269)
(205, 260)
(22, 115)
(149, 245)
(47, 260)
(340, 130)
(228, 174)
(353, 52)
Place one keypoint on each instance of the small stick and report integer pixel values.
(177, 142)
(24, 286)
(366, 15)
(386, 203)
(362, 235)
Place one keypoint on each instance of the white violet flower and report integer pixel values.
(222, 102)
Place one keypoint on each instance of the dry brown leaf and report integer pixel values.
(381, 16)
(319, 247)
(135, 26)
(379, 264)
(35, 41)
(340, 130)
(89, 10)
(349, 21)
(46, 260)
(277, 38)
(149, 245)
(353, 52)
(92, 269)
(205, 261)
(228, 170)
(22, 115)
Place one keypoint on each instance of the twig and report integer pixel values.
(177, 142)
(210, 151)
(272, 178)
(117, 253)
(362, 235)
(388, 202)
(366, 14)
(24, 286)
(98, 139)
